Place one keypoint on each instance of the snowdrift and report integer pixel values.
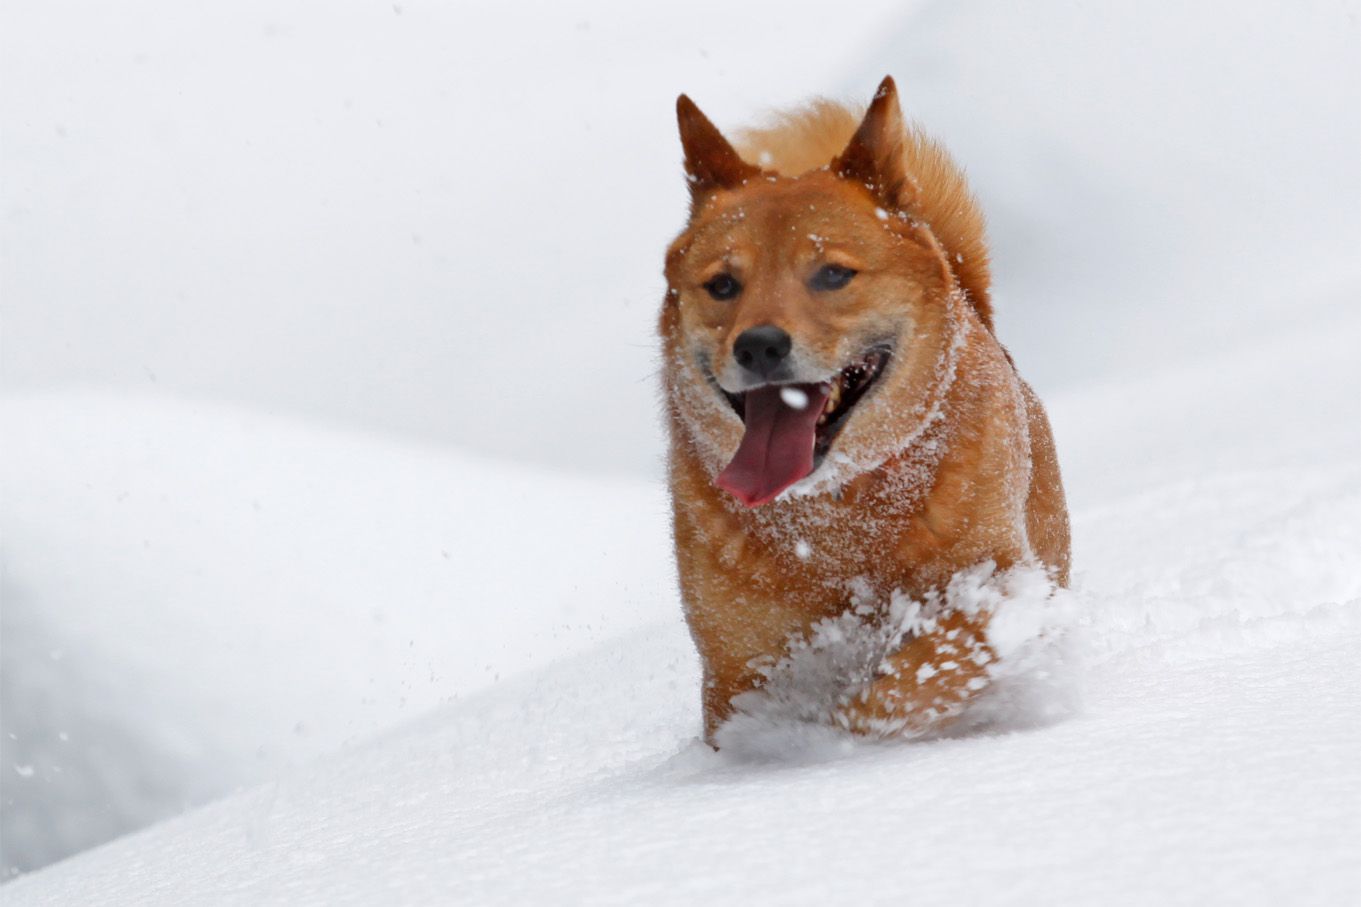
(1213, 755)
(221, 594)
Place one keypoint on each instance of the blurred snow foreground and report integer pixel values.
(335, 667)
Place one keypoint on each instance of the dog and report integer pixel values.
(843, 422)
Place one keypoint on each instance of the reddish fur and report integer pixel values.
(923, 496)
(812, 136)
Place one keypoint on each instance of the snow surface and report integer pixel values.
(431, 674)
(223, 593)
(1214, 753)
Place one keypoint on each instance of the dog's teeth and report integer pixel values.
(833, 396)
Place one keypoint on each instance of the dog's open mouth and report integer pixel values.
(790, 428)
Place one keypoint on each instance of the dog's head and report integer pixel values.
(809, 319)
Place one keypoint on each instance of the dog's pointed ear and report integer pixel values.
(874, 155)
(710, 161)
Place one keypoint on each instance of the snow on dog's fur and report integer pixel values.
(812, 689)
(845, 428)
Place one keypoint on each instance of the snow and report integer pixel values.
(794, 398)
(233, 593)
(1184, 779)
(811, 683)
(309, 597)
(1203, 744)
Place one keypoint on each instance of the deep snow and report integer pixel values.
(1213, 756)
(1185, 783)
(221, 594)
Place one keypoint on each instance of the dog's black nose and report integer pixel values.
(762, 349)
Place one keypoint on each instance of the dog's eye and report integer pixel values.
(831, 277)
(723, 287)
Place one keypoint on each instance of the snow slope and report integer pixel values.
(1216, 755)
(1184, 784)
(195, 597)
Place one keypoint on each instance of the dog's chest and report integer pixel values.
(818, 554)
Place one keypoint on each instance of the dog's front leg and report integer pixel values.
(735, 644)
(731, 669)
(926, 684)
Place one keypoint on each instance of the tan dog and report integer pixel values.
(841, 415)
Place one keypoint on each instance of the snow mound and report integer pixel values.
(197, 596)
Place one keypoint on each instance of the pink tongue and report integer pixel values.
(777, 448)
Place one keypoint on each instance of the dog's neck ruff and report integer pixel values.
(924, 444)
